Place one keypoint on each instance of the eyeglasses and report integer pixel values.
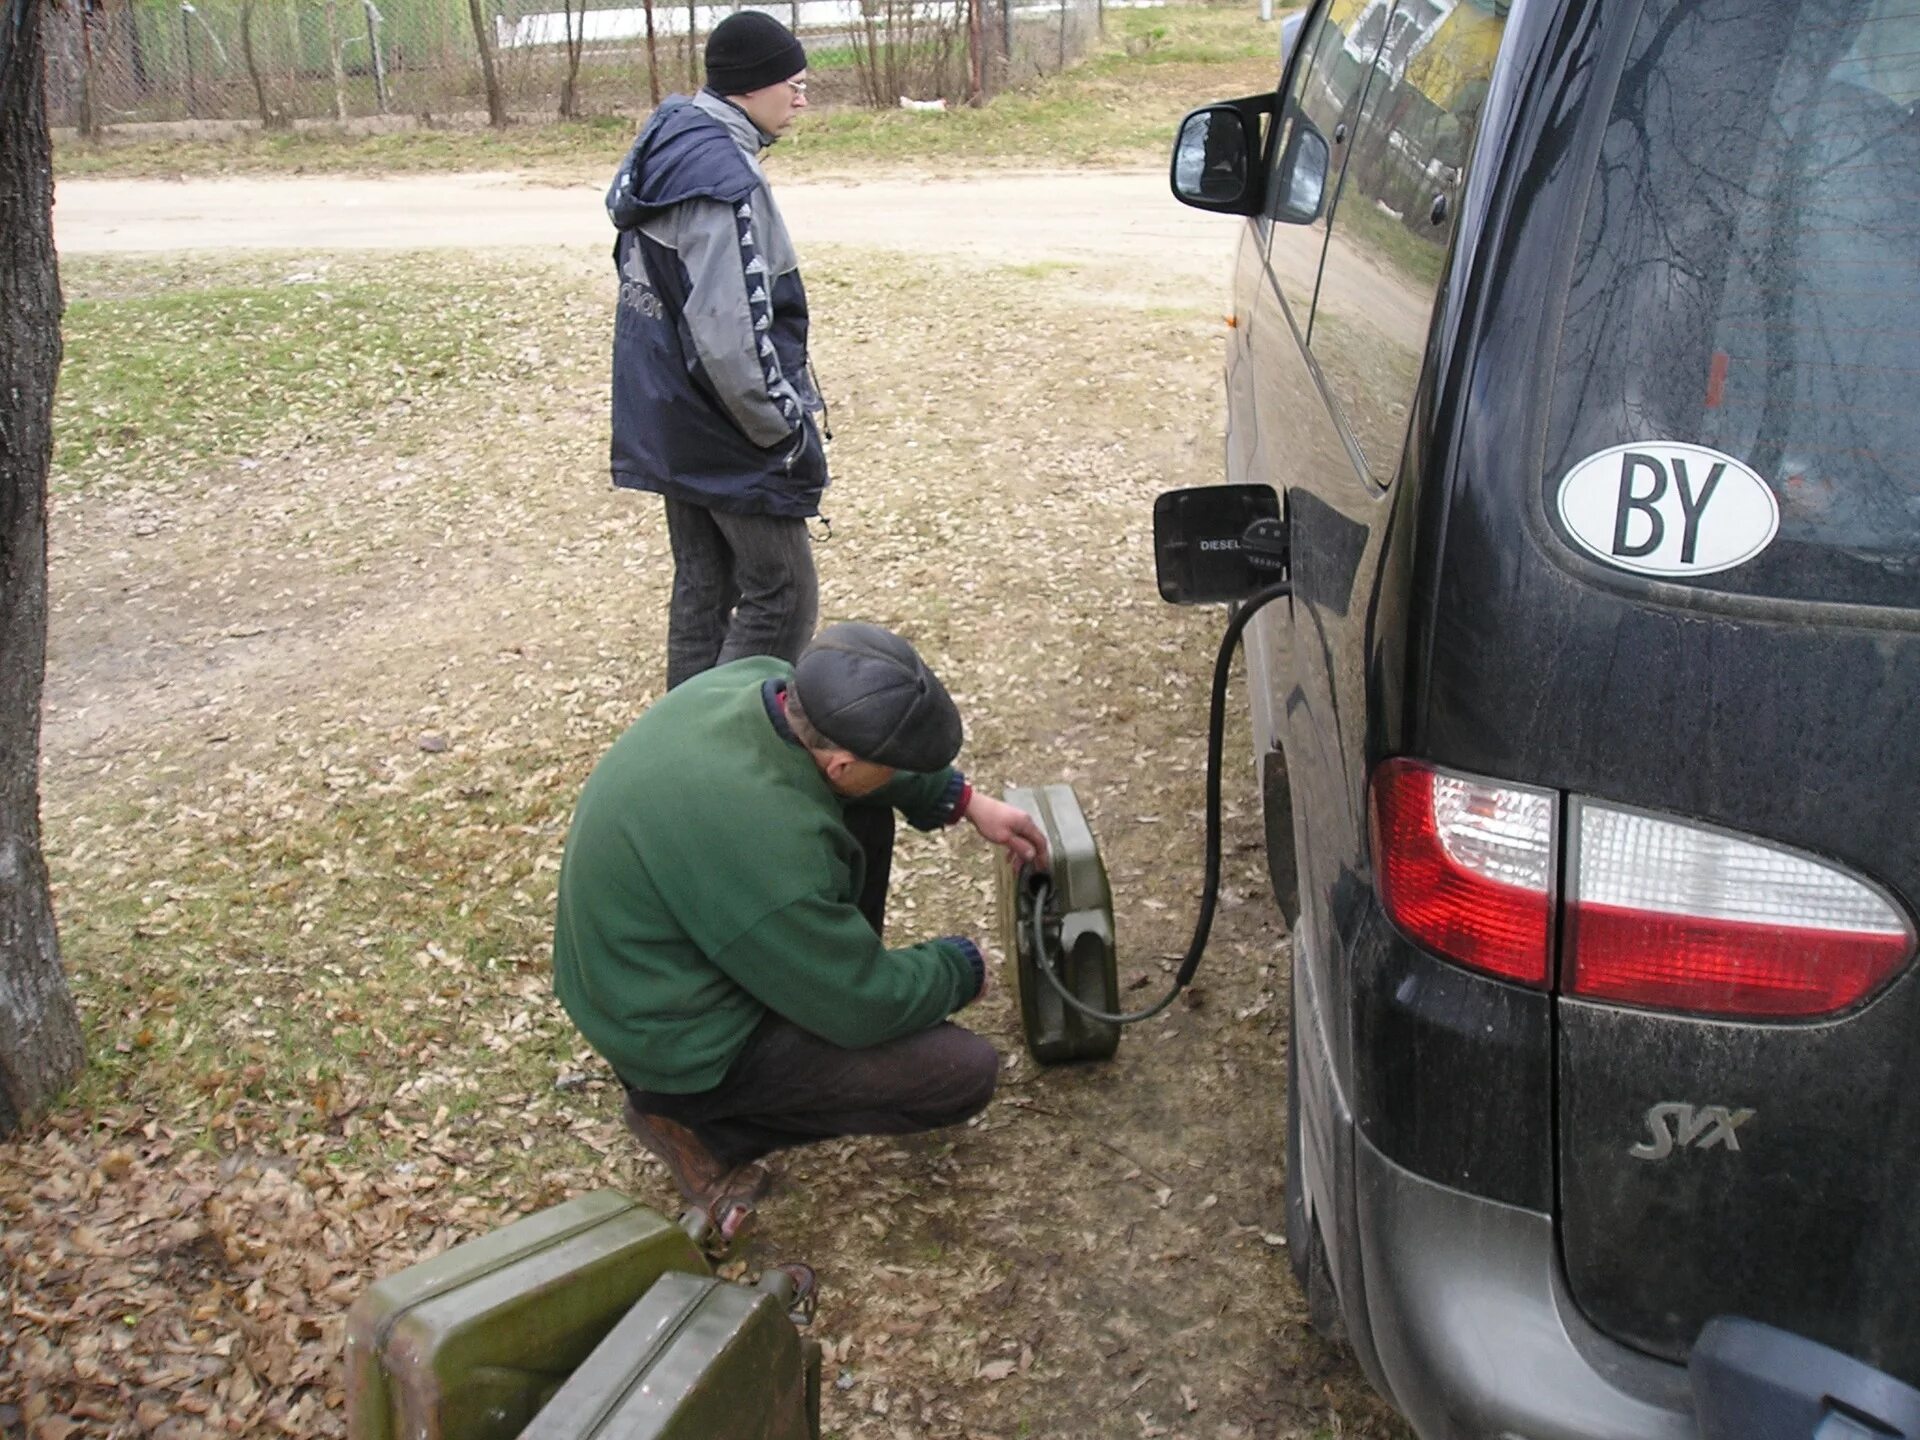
(798, 87)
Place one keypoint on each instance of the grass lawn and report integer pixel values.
(165, 371)
(1116, 107)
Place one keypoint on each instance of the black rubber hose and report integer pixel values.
(1043, 888)
(1210, 885)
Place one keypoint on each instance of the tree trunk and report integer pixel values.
(653, 57)
(874, 80)
(296, 48)
(270, 118)
(90, 127)
(576, 43)
(334, 62)
(976, 45)
(693, 39)
(496, 102)
(890, 96)
(40, 1046)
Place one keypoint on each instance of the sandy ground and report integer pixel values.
(1012, 218)
(1040, 217)
(1100, 1256)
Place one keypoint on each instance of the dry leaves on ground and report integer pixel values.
(317, 710)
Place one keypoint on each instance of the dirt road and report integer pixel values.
(1123, 221)
(1012, 218)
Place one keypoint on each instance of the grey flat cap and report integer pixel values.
(869, 692)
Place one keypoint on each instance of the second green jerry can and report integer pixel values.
(470, 1344)
(695, 1359)
(1068, 915)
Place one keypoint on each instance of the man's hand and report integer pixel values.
(1009, 827)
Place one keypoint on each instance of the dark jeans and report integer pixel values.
(789, 1087)
(742, 585)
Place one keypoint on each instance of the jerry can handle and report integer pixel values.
(796, 1287)
(697, 1225)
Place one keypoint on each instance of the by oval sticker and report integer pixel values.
(1667, 508)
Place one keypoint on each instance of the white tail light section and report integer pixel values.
(1465, 867)
(1676, 917)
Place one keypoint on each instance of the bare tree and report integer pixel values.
(333, 60)
(866, 61)
(653, 57)
(693, 44)
(89, 118)
(909, 48)
(496, 102)
(270, 118)
(40, 1045)
(976, 73)
(576, 29)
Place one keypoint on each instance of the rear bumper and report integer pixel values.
(1475, 1334)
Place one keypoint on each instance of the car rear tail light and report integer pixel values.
(1677, 917)
(1465, 867)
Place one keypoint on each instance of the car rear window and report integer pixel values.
(1745, 307)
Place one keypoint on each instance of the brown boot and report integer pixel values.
(697, 1174)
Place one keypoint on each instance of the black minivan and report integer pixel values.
(1581, 341)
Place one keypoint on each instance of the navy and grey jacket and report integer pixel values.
(711, 396)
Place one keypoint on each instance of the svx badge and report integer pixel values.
(1675, 1125)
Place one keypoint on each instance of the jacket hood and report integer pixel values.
(683, 153)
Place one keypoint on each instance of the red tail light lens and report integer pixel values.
(1465, 867)
(1678, 917)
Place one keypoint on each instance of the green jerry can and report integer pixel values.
(695, 1359)
(470, 1344)
(1076, 928)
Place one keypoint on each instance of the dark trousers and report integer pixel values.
(742, 585)
(789, 1087)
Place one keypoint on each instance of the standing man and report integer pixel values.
(721, 902)
(713, 402)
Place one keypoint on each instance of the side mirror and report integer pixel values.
(1301, 179)
(1218, 543)
(1216, 156)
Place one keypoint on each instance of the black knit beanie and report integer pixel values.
(750, 50)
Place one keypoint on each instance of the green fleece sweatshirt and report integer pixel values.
(709, 877)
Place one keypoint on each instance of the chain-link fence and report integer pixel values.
(277, 62)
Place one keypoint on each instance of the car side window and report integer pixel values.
(1394, 215)
(1326, 89)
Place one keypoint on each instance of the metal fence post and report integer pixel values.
(373, 50)
(186, 41)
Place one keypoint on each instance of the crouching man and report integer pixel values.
(721, 903)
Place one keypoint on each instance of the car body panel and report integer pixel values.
(1439, 611)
